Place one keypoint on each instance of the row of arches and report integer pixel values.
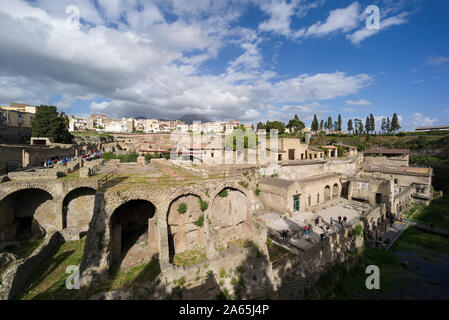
(188, 223)
(21, 211)
(331, 194)
(24, 215)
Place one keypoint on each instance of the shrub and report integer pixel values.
(269, 242)
(182, 208)
(223, 193)
(243, 184)
(257, 191)
(222, 273)
(203, 204)
(200, 221)
(357, 230)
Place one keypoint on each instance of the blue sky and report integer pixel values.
(248, 60)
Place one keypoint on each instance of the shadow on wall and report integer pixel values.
(17, 212)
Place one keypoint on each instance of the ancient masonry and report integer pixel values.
(232, 215)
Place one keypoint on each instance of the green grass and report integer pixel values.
(412, 210)
(427, 245)
(26, 248)
(351, 285)
(190, 257)
(71, 176)
(49, 281)
(437, 213)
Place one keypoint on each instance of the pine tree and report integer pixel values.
(367, 125)
(395, 124)
(339, 123)
(329, 123)
(372, 122)
(314, 125)
(350, 128)
(383, 126)
(321, 124)
(388, 125)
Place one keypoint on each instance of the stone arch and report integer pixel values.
(335, 190)
(78, 208)
(130, 233)
(327, 193)
(17, 214)
(185, 230)
(229, 215)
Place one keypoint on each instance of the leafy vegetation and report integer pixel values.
(203, 204)
(200, 221)
(190, 257)
(182, 208)
(130, 156)
(49, 123)
(437, 213)
(223, 193)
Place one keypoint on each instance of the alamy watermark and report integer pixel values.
(73, 280)
(72, 20)
(373, 280)
(373, 19)
(233, 147)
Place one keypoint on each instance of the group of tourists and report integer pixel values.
(56, 160)
(89, 155)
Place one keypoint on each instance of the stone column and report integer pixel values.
(153, 243)
(162, 236)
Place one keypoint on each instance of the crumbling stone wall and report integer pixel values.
(185, 233)
(17, 275)
(229, 215)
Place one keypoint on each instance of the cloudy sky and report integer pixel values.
(250, 60)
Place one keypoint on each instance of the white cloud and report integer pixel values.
(280, 16)
(150, 67)
(419, 120)
(343, 20)
(364, 32)
(360, 102)
(417, 81)
(437, 60)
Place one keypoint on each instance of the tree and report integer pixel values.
(314, 125)
(329, 123)
(367, 125)
(339, 123)
(350, 127)
(395, 123)
(321, 124)
(295, 124)
(278, 125)
(383, 126)
(260, 125)
(372, 122)
(51, 124)
(388, 125)
(358, 126)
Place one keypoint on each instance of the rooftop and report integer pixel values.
(443, 127)
(277, 182)
(387, 151)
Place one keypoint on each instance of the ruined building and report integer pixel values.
(228, 215)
